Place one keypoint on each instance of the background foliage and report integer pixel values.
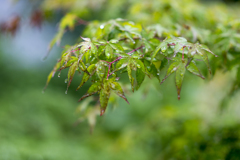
(204, 124)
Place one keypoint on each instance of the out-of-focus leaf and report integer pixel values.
(116, 87)
(117, 47)
(207, 49)
(179, 77)
(68, 21)
(52, 73)
(57, 39)
(11, 25)
(36, 18)
(114, 41)
(128, 35)
(204, 56)
(238, 76)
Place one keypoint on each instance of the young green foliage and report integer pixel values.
(119, 46)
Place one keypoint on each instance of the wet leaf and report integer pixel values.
(172, 68)
(179, 78)
(116, 87)
(91, 69)
(117, 47)
(140, 75)
(52, 73)
(151, 68)
(108, 51)
(194, 69)
(104, 97)
(93, 49)
(131, 79)
(94, 88)
(71, 72)
(204, 56)
(122, 63)
(101, 71)
(163, 46)
(207, 49)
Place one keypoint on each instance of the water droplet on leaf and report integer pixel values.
(66, 80)
(66, 92)
(59, 74)
(102, 26)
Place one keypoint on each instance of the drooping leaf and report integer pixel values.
(122, 63)
(104, 97)
(91, 69)
(117, 47)
(177, 48)
(101, 71)
(192, 67)
(68, 21)
(204, 56)
(93, 49)
(85, 78)
(52, 73)
(108, 51)
(71, 72)
(140, 73)
(94, 88)
(116, 87)
(207, 49)
(163, 46)
(151, 68)
(172, 68)
(179, 77)
(131, 79)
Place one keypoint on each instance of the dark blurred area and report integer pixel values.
(42, 126)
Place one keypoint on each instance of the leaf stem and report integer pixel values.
(120, 57)
(135, 50)
(183, 53)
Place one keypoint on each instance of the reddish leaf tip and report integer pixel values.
(178, 97)
(102, 112)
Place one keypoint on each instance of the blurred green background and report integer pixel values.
(42, 126)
